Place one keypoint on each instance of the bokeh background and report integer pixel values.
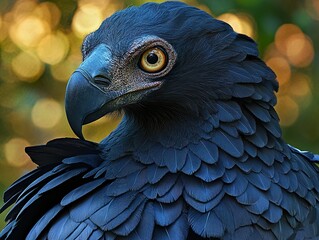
(40, 47)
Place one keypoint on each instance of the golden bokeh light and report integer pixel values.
(49, 12)
(232, 20)
(46, 113)
(97, 130)
(300, 52)
(90, 15)
(241, 23)
(63, 71)
(288, 110)
(112, 8)
(28, 31)
(53, 48)
(300, 85)
(295, 45)
(291, 48)
(14, 152)
(86, 19)
(281, 67)
(98, 3)
(282, 35)
(21, 9)
(27, 66)
(248, 25)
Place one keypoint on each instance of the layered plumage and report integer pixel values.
(199, 155)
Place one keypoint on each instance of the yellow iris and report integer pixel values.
(153, 60)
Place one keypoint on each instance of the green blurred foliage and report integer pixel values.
(33, 77)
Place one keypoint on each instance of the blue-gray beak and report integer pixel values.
(91, 92)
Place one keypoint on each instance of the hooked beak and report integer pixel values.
(91, 93)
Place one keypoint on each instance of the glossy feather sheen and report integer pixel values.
(201, 158)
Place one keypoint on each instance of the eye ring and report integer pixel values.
(153, 60)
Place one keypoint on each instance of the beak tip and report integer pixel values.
(81, 99)
(76, 126)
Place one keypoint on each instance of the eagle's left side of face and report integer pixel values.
(167, 56)
(115, 75)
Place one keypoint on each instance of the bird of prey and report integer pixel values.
(199, 153)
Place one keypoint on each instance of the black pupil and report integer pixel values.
(152, 58)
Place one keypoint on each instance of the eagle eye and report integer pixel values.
(153, 60)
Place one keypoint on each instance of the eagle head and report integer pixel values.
(159, 62)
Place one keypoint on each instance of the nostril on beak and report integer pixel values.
(102, 80)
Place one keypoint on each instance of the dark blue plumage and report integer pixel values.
(198, 154)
